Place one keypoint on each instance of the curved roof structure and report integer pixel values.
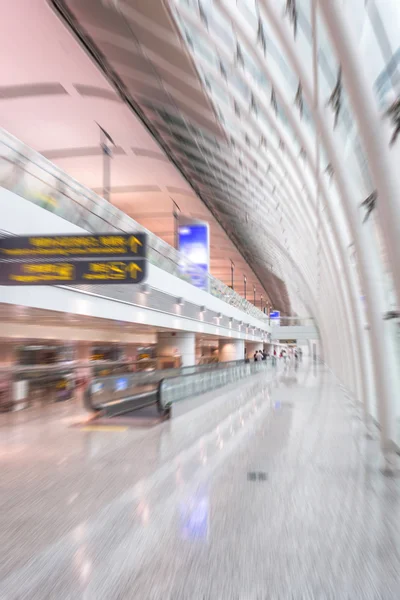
(247, 138)
(284, 117)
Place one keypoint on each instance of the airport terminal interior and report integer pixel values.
(200, 300)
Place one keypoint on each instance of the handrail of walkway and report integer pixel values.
(133, 366)
(292, 322)
(30, 175)
(125, 389)
(176, 389)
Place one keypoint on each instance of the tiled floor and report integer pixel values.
(270, 492)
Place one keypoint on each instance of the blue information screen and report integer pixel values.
(275, 317)
(194, 245)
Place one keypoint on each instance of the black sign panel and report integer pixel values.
(73, 272)
(74, 246)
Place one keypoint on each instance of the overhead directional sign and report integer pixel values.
(73, 272)
(275, 317)
(73, 246)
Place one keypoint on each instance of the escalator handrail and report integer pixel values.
(164, 409)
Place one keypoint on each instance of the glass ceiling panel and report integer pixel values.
(219, 27)
(269, 190)
(380, 49)
(249, 11)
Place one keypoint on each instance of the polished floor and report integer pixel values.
(269, 492)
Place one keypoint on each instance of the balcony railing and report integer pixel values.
(28, 174)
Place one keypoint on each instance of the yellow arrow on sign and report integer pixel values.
(134, 243)
(133, 270)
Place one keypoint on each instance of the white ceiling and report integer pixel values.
(51, 97)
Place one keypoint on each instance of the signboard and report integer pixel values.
(194, 245)
(73, 259)
(73, 246)
(275, 317)
(72, 272)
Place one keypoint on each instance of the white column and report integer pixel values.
(7, 353)
(83, 353)
(373, 130)
(252, 347)
(178, 343)
(130, 352)
(231, 350)
(383, 355)
(13, 392)
(276, 21)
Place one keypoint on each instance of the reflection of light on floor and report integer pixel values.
(143, 511)
(6, 451)
(85, 570)
(72, 498)
(195, 517)
(79, 533)
(178, 476)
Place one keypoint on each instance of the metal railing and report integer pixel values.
(292, 322)
(179, 388)
(125, 389)
(28, 174)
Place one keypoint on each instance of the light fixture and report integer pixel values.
(180, 301)
(202, 309)
(219, 316)
(145, 289)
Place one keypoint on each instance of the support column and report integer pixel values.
(7, 360)
(7, 353)
(83, 353)
(251, 347)
(180, 344)
(231, 350)
(130, 352)
(374, 132)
